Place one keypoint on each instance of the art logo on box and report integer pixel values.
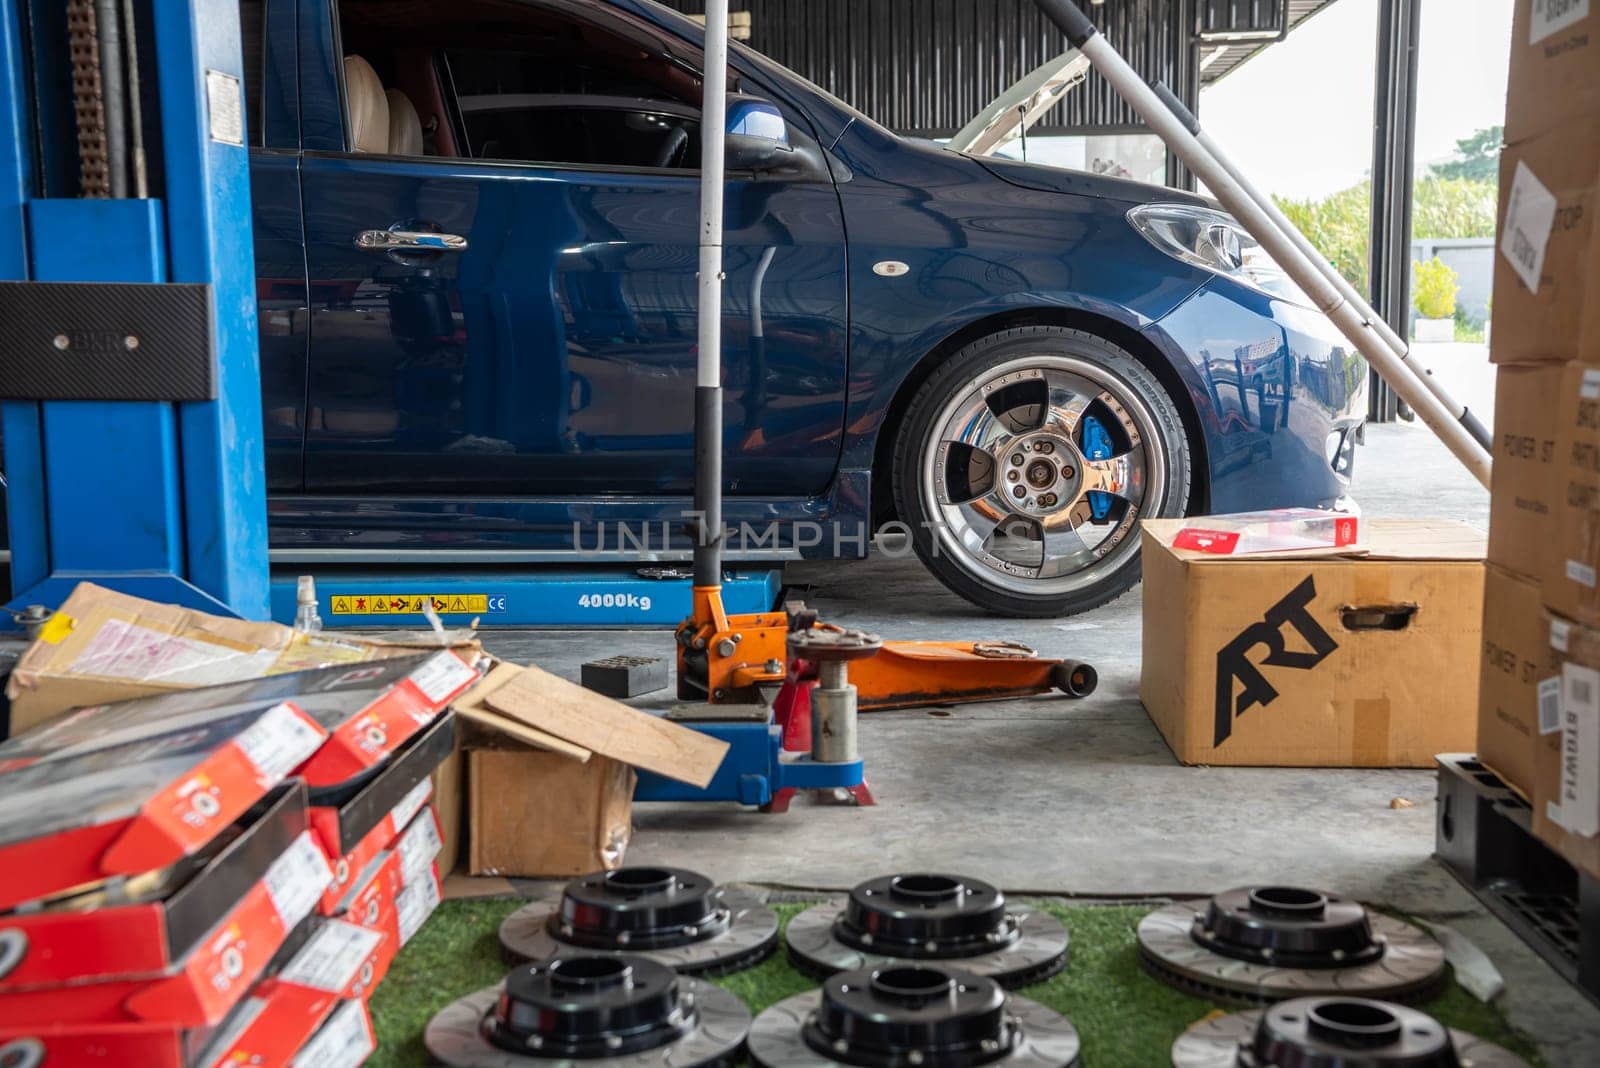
(1234, 665)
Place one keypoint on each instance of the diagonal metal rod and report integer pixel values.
(1449, 420)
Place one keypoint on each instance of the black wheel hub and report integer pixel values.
(1288, 926)
(911, 1016)
(589, 1007)
(1335, 1032)
(926, 916)
(640, 909)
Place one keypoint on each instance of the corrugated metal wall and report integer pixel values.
(927, 66)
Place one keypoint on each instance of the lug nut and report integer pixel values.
(1047, 501)
(1046, 448)
(1016, 459)
(1012, 476)
(1018, 492)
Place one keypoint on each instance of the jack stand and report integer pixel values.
(816, 709)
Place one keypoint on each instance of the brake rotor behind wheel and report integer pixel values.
(1268, 943)
(674, 917)
(929, 917)
(1334, 1033)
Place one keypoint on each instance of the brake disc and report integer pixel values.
(924, 1014)
(1267, 943)
(929, 917)
(1334, 1032)
(606, 1011)
(675, 917)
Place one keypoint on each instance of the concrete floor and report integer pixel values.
(1083, 797)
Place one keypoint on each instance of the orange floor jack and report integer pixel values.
(803, 736)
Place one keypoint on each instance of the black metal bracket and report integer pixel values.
(107, 341)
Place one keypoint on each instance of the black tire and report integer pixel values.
(1124, 378)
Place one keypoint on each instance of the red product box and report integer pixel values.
(123, 789)
(123, 931)
(400, 888)
(200, 989)
(356, 830)
(340, 961)
(345, 1041)
(409, 703)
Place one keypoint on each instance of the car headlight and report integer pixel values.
(1212, 240)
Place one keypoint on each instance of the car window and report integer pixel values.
(509, 80)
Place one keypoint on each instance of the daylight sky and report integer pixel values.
(1298, 117)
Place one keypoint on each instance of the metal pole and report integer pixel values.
(708, 378)
(1355, 326)
(1393, 161)
(1464, 415)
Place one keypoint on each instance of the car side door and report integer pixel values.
(484, 324)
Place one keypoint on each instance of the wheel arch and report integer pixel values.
(1101, 326)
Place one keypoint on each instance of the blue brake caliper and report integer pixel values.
(1096, 445)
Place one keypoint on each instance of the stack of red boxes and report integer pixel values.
(220, 876)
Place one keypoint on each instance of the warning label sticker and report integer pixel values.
(400, 604)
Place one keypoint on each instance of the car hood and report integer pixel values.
(1082, 183)
(1014, 111)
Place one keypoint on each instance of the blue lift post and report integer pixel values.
(162, 497)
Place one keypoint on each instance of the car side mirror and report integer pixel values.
(756, 134)
(758, 141)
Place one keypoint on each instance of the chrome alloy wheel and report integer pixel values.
(1009, 477)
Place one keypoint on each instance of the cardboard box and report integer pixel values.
(127, 788)
(1571, 560)
(536, 813)
(1566, 794)
(1546, 264)
(102, 646)
(200, 989)
(1324, 660)
(1555, 65)
(1516, 655)
(1522, 499)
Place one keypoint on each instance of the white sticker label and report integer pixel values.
(296, 880)
(1550, 704)
(225, 107)
(332, 959)
(1589, 388)
(1560, 632)
(279, 742)
(418, 846)
(1530, 216)
(415, 904)
(1580, 573)
(1580, 737)
(345, 1041)
(410, 805)
(1550, 16)
(440, 677)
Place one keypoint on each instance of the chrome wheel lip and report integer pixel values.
(956, 537)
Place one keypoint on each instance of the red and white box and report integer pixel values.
(1278, 530)
(200, 989)
(345, 1041)
(400, 888)
(124, 789)
(355, 831)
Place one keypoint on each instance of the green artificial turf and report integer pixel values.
(1126, 1018)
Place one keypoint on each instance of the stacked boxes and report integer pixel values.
(222, 875)
(1539, 714)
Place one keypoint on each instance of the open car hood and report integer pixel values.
(1010, 114)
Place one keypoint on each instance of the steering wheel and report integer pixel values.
(674, 148)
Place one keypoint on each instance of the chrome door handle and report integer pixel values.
(409, 241)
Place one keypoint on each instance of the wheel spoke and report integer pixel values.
(978, 425)
(1065, 404)
(1065, 550)
(1121, 476)
(978, 518)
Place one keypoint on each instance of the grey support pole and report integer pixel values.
(708, 376)
(1447, 420)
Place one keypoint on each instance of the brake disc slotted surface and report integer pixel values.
(675, 917)
(1268, 943)
(1334, 1032)
(929, 917)
(923, 1014)
(602, 1011)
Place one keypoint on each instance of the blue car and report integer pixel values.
(475, 233)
